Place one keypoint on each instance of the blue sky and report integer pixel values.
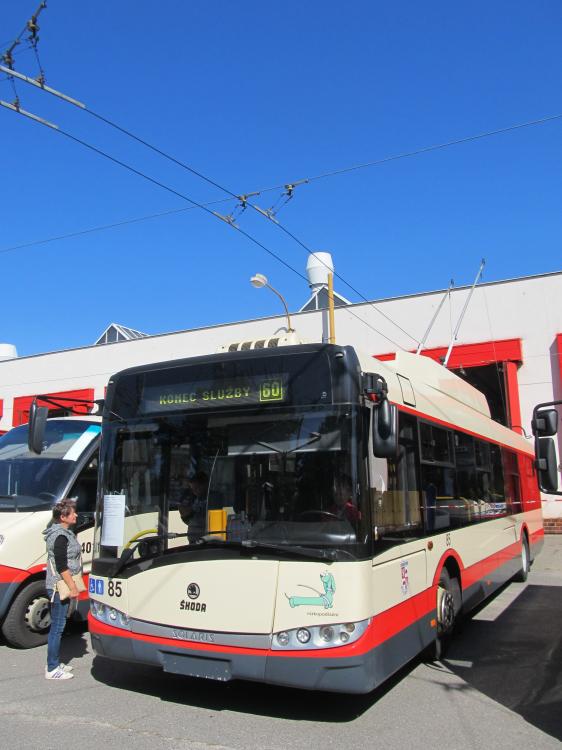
(254, 97)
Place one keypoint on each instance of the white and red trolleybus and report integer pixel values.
(303, 516)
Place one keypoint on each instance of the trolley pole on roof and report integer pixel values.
(434, 318)
(455, 334)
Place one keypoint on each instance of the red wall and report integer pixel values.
(22, 404)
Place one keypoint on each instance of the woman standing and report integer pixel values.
(63, 561)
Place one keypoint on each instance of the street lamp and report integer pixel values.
(258, 281)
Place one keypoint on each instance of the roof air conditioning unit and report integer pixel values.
(285, 339)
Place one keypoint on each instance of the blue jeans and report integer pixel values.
(59, 611)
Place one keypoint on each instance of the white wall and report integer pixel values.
(529, 309)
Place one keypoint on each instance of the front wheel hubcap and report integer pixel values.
(446, 611)
(38, 616)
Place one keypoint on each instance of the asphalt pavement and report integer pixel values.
(500, 687)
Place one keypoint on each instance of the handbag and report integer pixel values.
(64, 591)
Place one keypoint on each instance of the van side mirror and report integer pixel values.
(37, 421)
(385, 429)
(544, 425)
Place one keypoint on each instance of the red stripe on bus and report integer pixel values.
(382, 627)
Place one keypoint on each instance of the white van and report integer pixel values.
(63, 464)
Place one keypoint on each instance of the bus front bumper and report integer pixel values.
(346, 674)
(355, 671)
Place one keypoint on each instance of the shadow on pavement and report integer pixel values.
(239, 696)
(517, 659)
(74, 644)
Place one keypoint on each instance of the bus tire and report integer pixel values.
(28, 620)
(449, 604)
(523, 571)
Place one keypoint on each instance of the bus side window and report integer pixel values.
(397, 511)
(85, 490)
(440, 505)
(511, 481)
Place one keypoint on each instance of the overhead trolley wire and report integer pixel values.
(245, 201)
(33, 28)
(423, 150)
(207, 210)
(102, 227)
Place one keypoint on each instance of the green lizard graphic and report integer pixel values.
(325, 600)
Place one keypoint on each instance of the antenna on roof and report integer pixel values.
(430, 326)
(461, 316)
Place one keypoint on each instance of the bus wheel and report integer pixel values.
(28, 620)
(449, 602)
(523, 572)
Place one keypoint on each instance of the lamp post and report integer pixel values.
(258, 281)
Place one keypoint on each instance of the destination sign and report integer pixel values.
(205, 394)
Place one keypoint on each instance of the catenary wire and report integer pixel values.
(424, 150)
(103, 227)
(203, 207)
(236, 196)
(317, 177)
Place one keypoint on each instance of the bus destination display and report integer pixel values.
(205, 394)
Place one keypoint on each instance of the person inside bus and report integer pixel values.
(64, 559)
(193, 507)
(344, 505)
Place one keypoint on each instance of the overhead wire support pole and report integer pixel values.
(434, 318)
(455, 334)
(42, 86)
(20, 111)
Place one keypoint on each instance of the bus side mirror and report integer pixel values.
(385, 429)
(37, 421)
(546, 465)
(545, 425)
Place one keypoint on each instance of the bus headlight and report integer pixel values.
(319, 636)
(303, 635)
(109, 615)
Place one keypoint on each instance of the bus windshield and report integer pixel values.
(30, 482)
(280, 476)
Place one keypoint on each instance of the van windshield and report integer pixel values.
(31, 482)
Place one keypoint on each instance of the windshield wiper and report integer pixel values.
(127, 554)
(291, 549)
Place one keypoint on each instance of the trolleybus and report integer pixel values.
(64, 463)
(304, 516)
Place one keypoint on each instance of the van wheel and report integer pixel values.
(523, 572)
(449, 603)
(28, 620)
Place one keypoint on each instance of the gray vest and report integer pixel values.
(74, 555)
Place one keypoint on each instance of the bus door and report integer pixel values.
(400, 575)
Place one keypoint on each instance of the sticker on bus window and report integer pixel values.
(405, 581)
(76, 450)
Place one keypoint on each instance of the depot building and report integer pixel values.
(509, 346)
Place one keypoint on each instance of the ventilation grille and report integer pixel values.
(288, 339)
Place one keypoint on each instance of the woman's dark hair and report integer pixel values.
(63, 508)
